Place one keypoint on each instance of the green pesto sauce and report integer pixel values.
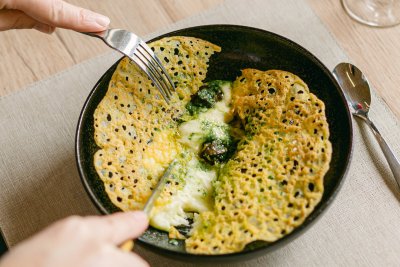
(218, 144)
(206, 97)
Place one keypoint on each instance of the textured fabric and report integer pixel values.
(40, 182)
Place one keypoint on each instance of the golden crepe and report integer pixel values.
(136, 129)
(251, 155)
(275, 179)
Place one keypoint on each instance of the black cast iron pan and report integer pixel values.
(242, 47)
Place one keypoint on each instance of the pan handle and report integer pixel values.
(3, 244)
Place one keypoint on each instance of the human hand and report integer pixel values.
(46, 15)
(81, 242)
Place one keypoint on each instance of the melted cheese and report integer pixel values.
(196, 195)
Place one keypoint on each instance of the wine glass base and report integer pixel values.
(373, 13)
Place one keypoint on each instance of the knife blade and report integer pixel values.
(157, 191)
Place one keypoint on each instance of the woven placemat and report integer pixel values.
(40, 182)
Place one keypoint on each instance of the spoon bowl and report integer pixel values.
(357, 91)
(355, 86)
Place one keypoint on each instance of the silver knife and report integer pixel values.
(157, 191)
(128, 245)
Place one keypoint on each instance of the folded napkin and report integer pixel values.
(40, 182)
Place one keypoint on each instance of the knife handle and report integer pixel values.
(127, 245)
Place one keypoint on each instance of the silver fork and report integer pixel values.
(137, 50)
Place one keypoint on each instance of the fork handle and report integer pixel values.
(387, 151)
(100, 35)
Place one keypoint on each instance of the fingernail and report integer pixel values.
(102, 20)
(44, 28)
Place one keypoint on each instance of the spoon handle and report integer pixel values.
(387, 151)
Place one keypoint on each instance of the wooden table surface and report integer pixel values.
(27, 56)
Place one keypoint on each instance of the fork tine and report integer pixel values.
(158, 81)
(159, 64)
(153, 66)
(155, 69)
(133, 46)
(149, 73)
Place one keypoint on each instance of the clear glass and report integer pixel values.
(377, 13)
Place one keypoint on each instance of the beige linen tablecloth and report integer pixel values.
(40, 182)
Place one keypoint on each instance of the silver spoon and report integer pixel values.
(356, 89)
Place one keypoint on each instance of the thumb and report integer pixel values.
(15, 19)
(119, 227)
